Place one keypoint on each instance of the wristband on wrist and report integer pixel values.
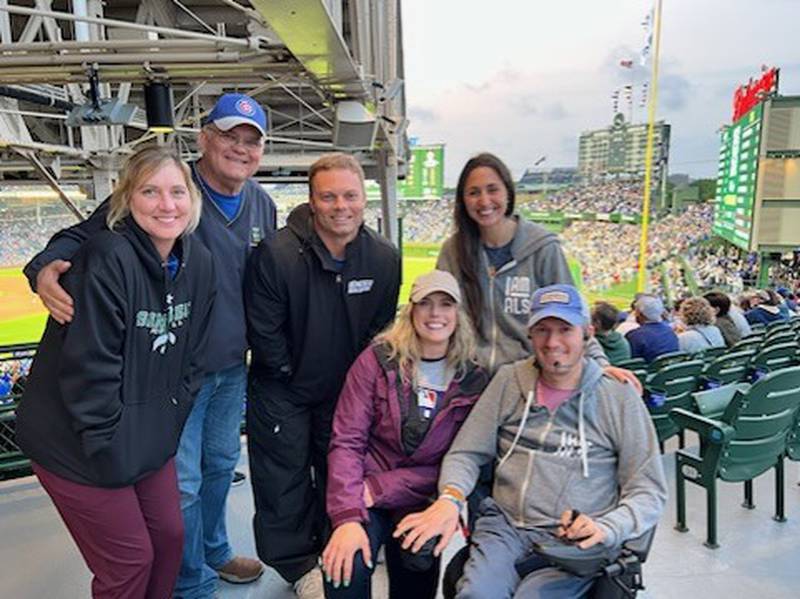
(452, 499)
(454, 492)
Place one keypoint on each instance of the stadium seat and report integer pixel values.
(779, 336)
(712, 403)
(712, 352)
(773, 358)
(750, 342)
(670, 388)
(667, 359)
(637, 366)
(777, 325)
(730, 367)
(747, 440)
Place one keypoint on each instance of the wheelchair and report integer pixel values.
(619, 579)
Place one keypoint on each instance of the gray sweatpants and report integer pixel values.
(495, 546)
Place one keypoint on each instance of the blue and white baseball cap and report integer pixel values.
(559, 301)
(238, 109)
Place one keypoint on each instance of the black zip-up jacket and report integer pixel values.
(231, 243)
(308, 320)
(108, 393)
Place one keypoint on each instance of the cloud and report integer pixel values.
(525, 104)
(556, 111)
(674, 91)
(425, 115)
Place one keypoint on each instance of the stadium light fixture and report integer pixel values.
(354, 126)
(159, 107)
(100, 111)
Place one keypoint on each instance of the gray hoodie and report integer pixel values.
(537, 261)
(597, 453)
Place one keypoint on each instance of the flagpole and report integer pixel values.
(641, 283)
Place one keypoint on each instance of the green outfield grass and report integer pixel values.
(22, 320)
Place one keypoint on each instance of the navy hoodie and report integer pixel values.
(108, 393)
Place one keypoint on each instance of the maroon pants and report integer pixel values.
(131, 538)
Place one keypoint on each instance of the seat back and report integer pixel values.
(762, 417)
(752, 342)
(709, 354)
(775, 357)
(731, 367)
(637, 366)
(777, 325)
(782, 336)
(672, 386)
(667, 359)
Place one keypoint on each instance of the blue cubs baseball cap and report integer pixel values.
(238, 109)
(559, 301)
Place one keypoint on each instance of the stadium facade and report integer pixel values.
(619, 151)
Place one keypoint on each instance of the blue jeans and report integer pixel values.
(207, 454)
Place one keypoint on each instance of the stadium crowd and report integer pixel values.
(604, 249)
(624, 197)
(21, 238)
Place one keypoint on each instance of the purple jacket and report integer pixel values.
(366, 445)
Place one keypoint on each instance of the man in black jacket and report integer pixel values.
(316, 294)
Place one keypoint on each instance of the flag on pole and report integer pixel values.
(626, 63)
(647, 25)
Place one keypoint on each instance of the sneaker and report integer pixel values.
(238, 478)
(310, 585)
(241, 570)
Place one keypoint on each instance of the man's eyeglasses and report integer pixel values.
(229, 140)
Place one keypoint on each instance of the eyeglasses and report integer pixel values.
(229, 140)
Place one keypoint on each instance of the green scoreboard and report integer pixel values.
(736, 178)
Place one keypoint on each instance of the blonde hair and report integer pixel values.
(403, 343)
(333, 161)
(140, 166)
(696, 310)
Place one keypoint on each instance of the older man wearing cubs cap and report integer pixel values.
(237, 215)
(575, 456)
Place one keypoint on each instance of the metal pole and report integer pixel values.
(641, 283)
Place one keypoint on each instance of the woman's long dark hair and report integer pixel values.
(467, 236)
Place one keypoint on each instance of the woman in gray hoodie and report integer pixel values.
(499, 261)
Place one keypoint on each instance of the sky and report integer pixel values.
(524, 78)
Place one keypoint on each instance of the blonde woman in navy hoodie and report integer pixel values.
(108, 393)
(404, 400)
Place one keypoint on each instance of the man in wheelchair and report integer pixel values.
(576, 464)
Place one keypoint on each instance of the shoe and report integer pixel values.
(238, 478)
(241, 570)
(309, 586)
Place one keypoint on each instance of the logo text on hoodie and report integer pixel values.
(517, 295)
(162, 323)
(359, 286)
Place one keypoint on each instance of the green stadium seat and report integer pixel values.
(669, 388)
(774, 357)
(712, 352)
(667, 359)
(780, 336)
(747, 440)
(637, 366)
(751, 342)
(712, 403)
(731, 367)
(777, 325)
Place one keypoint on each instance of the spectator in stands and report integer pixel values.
(700, 333)
(765, 308)
(109, 392)
(423, 368)
(563, 437)
(317, 292)
(721, 304)
(604, 319)
(499, 260)
(654, 337)
(629, 323)
(238, 214)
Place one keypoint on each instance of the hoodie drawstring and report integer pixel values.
(525, 413)
(582, 438)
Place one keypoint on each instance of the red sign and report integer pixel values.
(747, 96)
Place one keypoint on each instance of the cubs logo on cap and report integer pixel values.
(238, 109)
(245, 106)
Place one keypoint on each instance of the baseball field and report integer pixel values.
(22, 316)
